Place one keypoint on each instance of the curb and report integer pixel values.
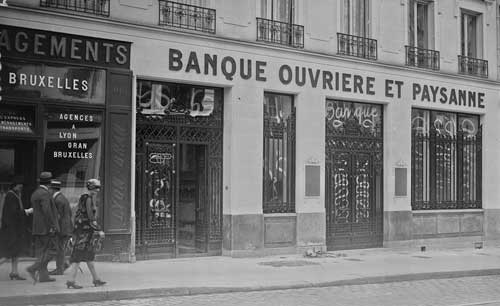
(65, 298)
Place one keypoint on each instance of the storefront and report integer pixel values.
(65, 109)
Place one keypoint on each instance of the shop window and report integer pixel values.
(73, 148)
(446, 160)
(279, 154)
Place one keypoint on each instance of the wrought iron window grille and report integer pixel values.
(422, 58)
(282, 33)
(356, 46)
(94, 7)
(446, 170)
(472, 66)
(186, 16)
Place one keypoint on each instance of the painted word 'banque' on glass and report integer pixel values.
(73, 148)
(353, 118)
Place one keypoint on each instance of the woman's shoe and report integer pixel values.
(98, 283)
(73, 285)
(15, 276)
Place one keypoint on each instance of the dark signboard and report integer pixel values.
(16, 120)
(46, 45)
(55, 82)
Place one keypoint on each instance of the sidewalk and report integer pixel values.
(200, 275)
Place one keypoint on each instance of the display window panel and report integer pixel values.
(446, 160)
(73, 148)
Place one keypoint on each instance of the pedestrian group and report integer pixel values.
(54, 230)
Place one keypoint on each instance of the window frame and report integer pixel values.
(285, 202)
(349, 20)
(440, 177)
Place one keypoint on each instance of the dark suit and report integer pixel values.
(45, 227)
(65, 225)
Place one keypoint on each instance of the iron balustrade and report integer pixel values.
(472, 66)
(356, 46)
(446, 170)
(185, 16)
(95, 7)
(422, 58)
(282, 33)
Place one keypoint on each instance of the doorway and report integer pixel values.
(191, 203)
(353, 183)
(174, 185)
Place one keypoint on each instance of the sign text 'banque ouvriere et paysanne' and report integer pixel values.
(345, 82)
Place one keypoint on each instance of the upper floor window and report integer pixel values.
(470, 59)
(188, 14)
(276, 24)
(278, 10)
(420, 24)
(95, 7)
(419, 51)
(353, 39)
(469, 36)
(355, 17)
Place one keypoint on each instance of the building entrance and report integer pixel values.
(354, 160)
(179, 173)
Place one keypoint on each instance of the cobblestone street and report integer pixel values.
(436, 292)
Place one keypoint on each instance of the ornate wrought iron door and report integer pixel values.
(353, 175)
(164, 130)
(156, 219)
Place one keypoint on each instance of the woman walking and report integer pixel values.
(85, 235)
(13, 231)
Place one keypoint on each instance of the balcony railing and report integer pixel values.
(282, 33)
(185, 16)
(95, 7)
(422, 58)
(356, 46)
(473, 66)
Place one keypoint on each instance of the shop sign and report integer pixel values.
(45, 45)
(231, 68)
(55, 82)
(73, 135)
(16, 121)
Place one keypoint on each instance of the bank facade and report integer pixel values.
(256, 129)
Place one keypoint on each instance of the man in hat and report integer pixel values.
(65, 226)
(45, 228)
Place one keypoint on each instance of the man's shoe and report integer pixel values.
(46, 280)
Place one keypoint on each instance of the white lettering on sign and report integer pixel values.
(74, 155)
(43, 81)
(76, 117)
